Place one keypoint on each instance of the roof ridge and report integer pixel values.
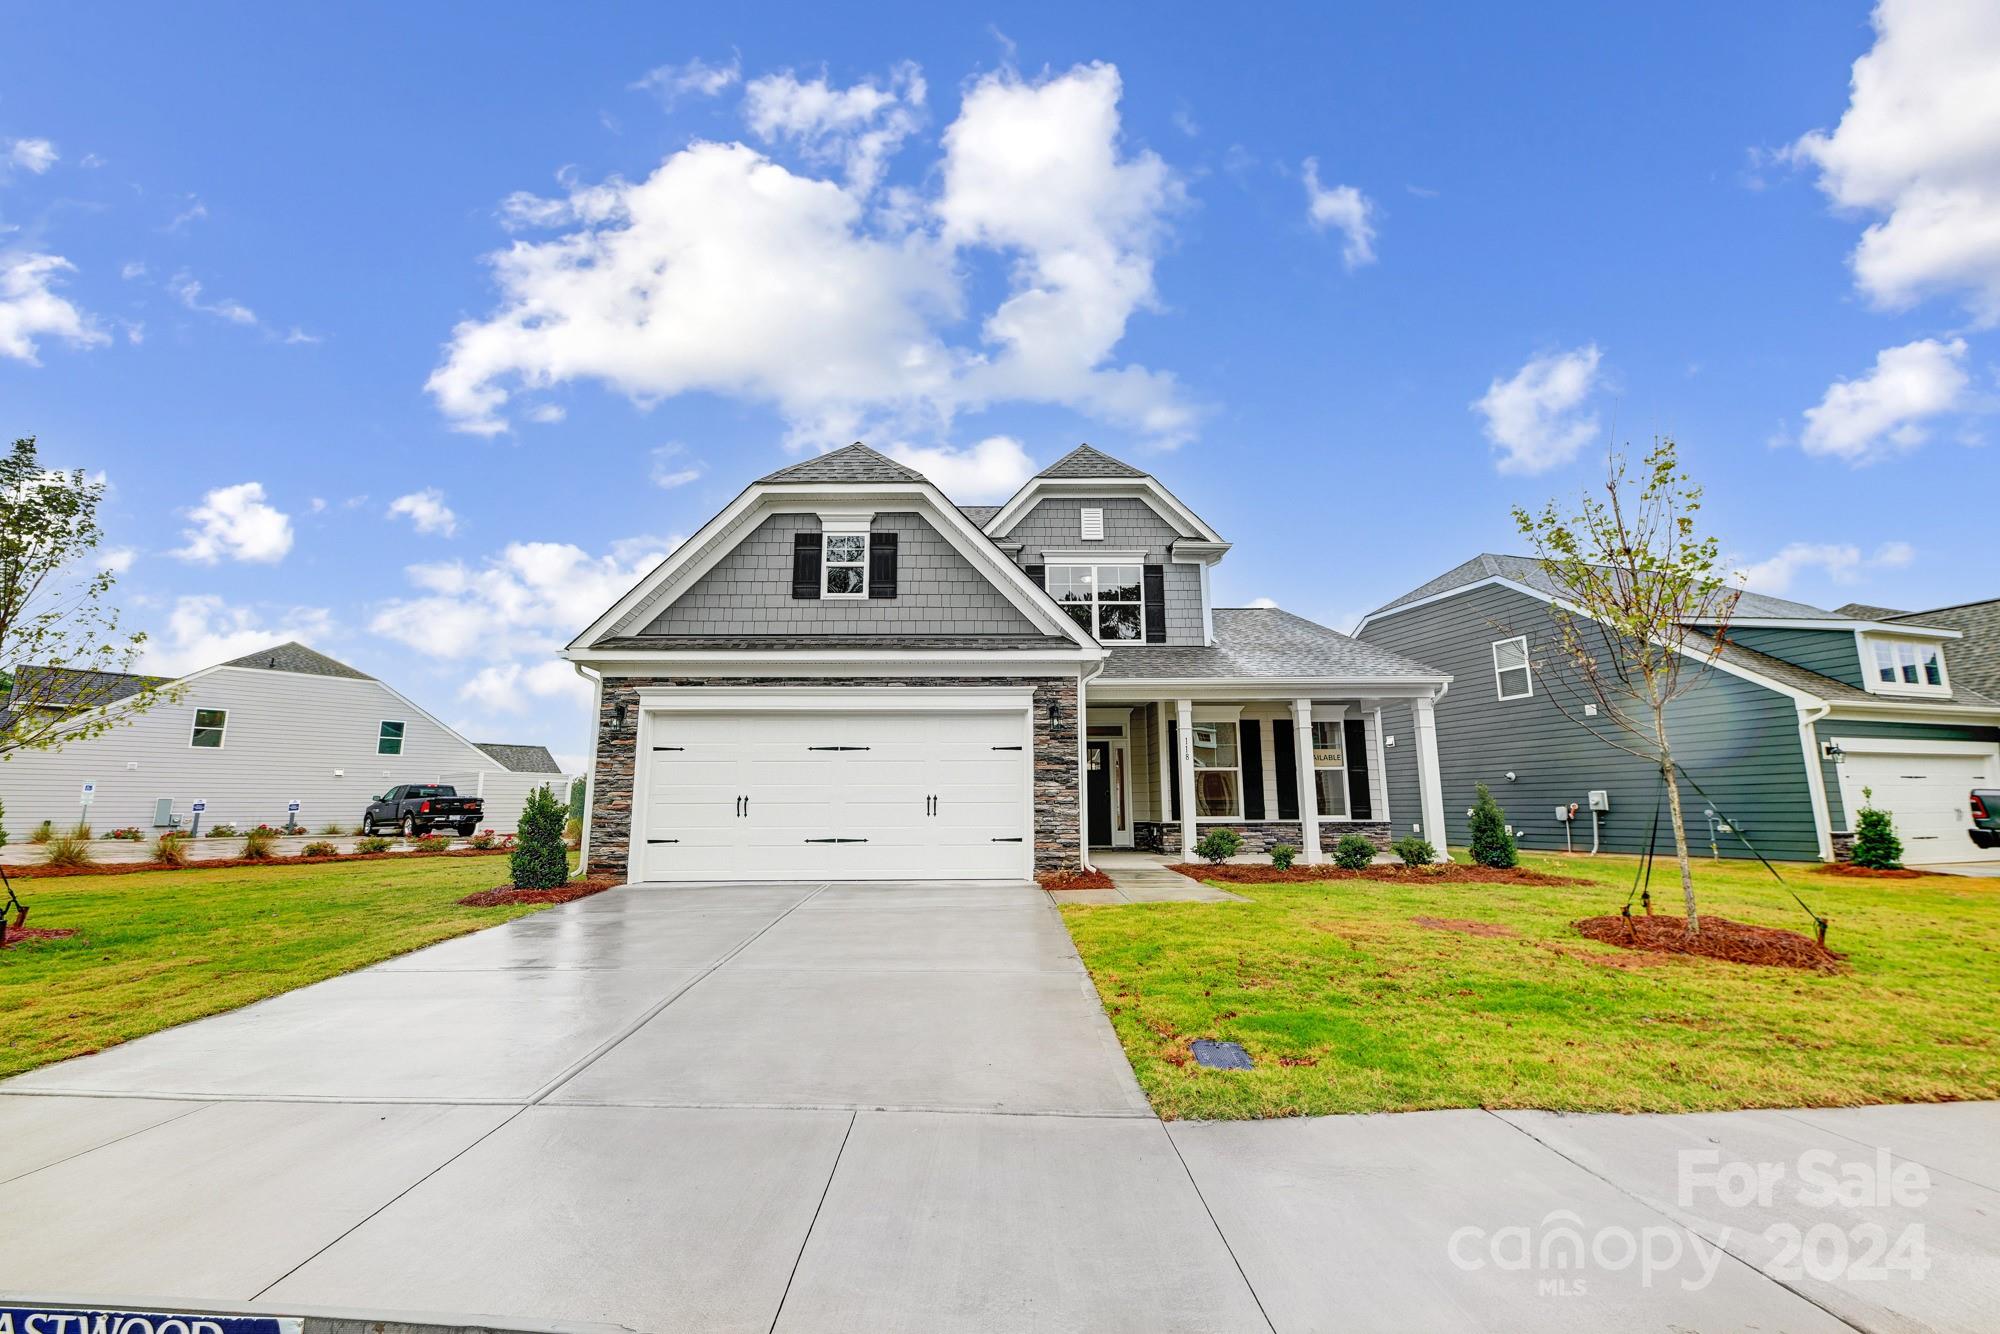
(1086, 460)
(827, 466)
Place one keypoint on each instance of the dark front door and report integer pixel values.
(1097, 792)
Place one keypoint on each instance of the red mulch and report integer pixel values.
(1465, 926)
(1075, 880)
(1720, 938)
(226, 863)
(1447, 873)
(503, 895)
(1870, 872)
(21, 935)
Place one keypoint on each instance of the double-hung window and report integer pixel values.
(845, 567)
(1904, 664)
(1107, 600)
(209, 725)
(389, 740)
(1330, 768)
(1511, 673)
(1218, 773)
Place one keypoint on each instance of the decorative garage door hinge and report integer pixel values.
(836, 747)
(836, 840)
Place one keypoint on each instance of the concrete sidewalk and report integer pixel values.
(896, 1107)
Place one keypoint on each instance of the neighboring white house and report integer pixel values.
(248, 737)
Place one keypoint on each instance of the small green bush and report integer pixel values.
(483, 839)
(171, 849)
(1414, 850)
(573, 832)
(1219, 845)
(221, 831)
(130, 834)
(259, 843)
(332, 829)
(431, 843)
(1283, 855)
(69, 850)
(44, 831)
(319, 848)
(82, 831)
(358, 830)
(1492, 845)
(1353, 852)
(1875, 841)
(540, 860)
(372, 843)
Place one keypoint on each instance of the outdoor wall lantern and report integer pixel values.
(618, 714)
(1833, 752)
(1055, 713)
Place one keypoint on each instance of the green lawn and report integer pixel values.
(1346, 1005)
(158, 948)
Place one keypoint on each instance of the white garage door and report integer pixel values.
(835, 796)
(1927, 795)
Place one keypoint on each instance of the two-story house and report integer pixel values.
(1802, 716)
(843, 675)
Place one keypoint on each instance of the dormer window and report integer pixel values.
(1907, 667)
(845, 567)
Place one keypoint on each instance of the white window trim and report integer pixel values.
(221, 742)
(402, 737)
(1236, 816)
(1526, 666)
(1097, 587)
(1339, 724)
(1871, 672)
(826, 565)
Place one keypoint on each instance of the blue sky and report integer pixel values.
(1352, 282)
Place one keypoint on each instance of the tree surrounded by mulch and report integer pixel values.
(1876, 847)
(1720, 938)
(540, 859)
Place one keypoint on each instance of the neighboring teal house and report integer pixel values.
(1803, 710)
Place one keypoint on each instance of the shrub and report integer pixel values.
(319, 848)
(332, 829)
(1219, 845)
(1414, 850)
(483, 839)
(540, 861)
(1875, 841)
(44, 831)
(257, 844)
(358, 830)
(69, 850)
(81, 831)
(130, 833)
(573, 832)
(222, 831)
(171, 848)
(1283, 855)
(372, 843)
(1492, 845)
(1353, 852)
(3, 828)
(430, 842)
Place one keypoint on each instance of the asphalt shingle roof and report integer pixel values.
(1862, 611)
(67, 687)
(296, 657)
(1083, 461)
(803, 642)
(851, 463)
(521, 759)
(1253, 642)
(1528, 571)
(979, 514)
(1973, 661)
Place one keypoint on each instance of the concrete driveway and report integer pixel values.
(868, 1107)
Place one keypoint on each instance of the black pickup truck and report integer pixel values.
(418, 808)
(1985, 807)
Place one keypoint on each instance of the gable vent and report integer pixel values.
(1093, 525)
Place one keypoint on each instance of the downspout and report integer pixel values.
(590, 769)
(1083, 774)
(1810, 716)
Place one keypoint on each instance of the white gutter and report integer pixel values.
(1082, 774)
(590, 767)
(1809, 718)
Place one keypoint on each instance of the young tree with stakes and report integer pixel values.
(1632, 581)
(58, 638)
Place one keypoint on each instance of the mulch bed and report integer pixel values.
(227, 863)
(1075, 880)
(1870, 872)
(501, 896)
(1720, 938)
(1465, 926)
(1446, 873)
(22, 935)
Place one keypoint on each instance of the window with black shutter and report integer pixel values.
(1156, 604)
(1358, 804)
(805, 565)
(1285, 758)
(1251, 750)
(882, 565)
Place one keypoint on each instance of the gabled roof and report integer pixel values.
(1528, 571)
(1862, 611)
(979, 514)
(521, 759)
(852, 463)
(1252, 642)
(296, 657)
(69, 687)
(1083, 461)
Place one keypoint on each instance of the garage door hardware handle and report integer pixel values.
(836, 840)
(1006, 840)
(837, 747)
(663, 840)
(670, 748)
(1006, 748)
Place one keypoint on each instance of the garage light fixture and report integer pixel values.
(1055, 713)
(618, 715)
(1833, 752)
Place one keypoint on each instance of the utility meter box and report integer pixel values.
(1600, 800)
(1562, 815)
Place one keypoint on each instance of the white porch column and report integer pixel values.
(1184, 713)
(1430, 786)
(1302, 755)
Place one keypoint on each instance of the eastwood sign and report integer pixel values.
(71, 1320)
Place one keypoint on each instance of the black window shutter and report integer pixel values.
(1284, 755)
(1156, 604)
(1250, 754)
(1358, 804)
(1040, 574)
(881, 565)
(1173, 770)
(805, 565)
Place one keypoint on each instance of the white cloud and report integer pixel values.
(670, 83)
(188, 292)
(194, 211)
(547, 414)
(511, 687)
(1268, 604)
(133, 269)
(202, 631)
(859, 127)
(1346, 209)
(1841, 562)
(1919, 145)
(727, 272)
(672, 467)
(36, 155)
(30, 307)
(993, 469)
(116, 560)
(233, 522)
(1884, 410)
(427, 510)
(1537, 417)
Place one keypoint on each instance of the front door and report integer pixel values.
(1097, 792)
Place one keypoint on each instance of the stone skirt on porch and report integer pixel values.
(1260, 836)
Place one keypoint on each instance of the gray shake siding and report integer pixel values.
(1739, 740)
(1056, 524)
(1829, 652)
(749, 591)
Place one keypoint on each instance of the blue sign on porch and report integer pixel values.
(78, 1320)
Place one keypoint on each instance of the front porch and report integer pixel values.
(1300, 769)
